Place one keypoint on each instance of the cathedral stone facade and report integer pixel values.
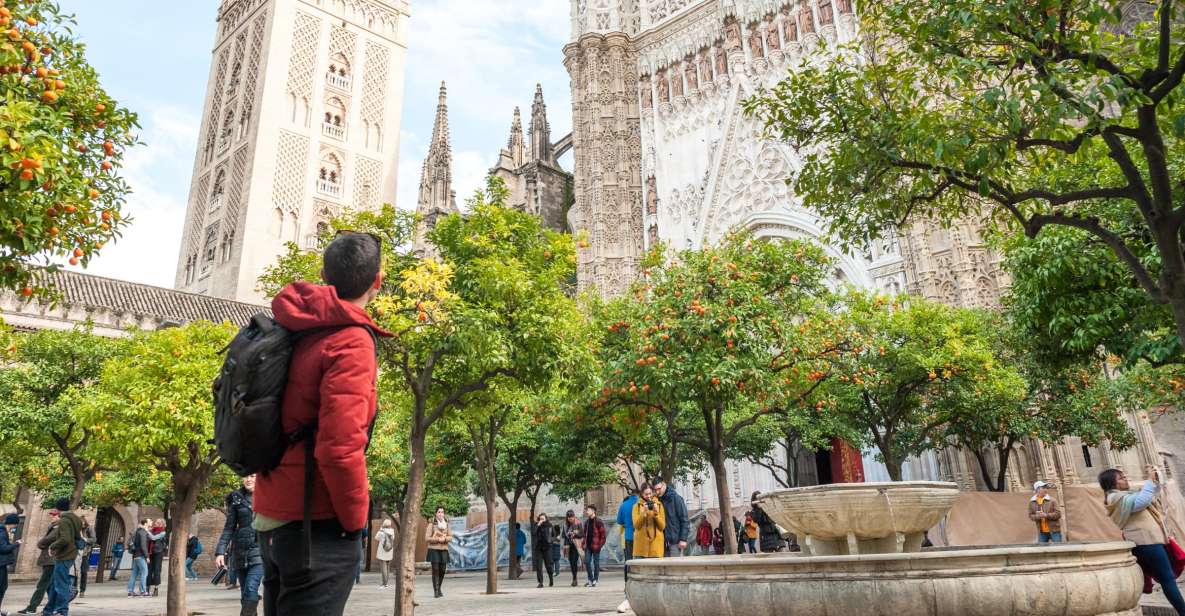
(301, 120)
(665, 153)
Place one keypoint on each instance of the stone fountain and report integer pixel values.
(862, 554)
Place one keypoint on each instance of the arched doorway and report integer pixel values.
(109, 527)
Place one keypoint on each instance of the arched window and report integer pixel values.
(338, 74)
(330, 175)
(228, 126)
(277, 222)
(235, 74)
(219, 189)
(335, 115)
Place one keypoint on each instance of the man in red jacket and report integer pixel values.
(594, 540)
(331, 385)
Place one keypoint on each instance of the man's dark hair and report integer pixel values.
(591, 506)
(1109, 478)
(350, 264)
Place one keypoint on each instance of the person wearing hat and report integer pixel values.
(1044, 512)
(7, 552)
(63, 546)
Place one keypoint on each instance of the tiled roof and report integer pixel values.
(121, 296)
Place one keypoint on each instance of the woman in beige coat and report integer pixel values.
(1136, 514)
(385, 551)
(438, 537)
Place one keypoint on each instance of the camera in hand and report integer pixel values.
(650, 505)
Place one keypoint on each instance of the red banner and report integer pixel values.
(847, 465)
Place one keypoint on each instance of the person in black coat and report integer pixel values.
(541, 549)
(678, 525)
(770, 536)
(239, 532)
(7, 551)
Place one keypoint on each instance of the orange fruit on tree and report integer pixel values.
(49, 96)
(94, 193)
(27, 291)
(27, 174)
(32, 21)
(100, 107)
(73, 260)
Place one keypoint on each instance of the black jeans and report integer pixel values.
(291, 587)
(543, 561)
(42, 587)
(629, 553)
(1155, 560)
(574, 561)
(3, 583)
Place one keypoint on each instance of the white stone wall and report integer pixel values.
(284, 144)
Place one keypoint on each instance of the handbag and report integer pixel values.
(1176, 556)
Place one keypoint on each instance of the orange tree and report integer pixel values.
(61, 141)
(725, 344)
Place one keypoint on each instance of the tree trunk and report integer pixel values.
(1005, 453)
(405, 554)
(722, 494)
(76, 493)
(512, 535)
(487, 476)
(186, 487)
(981, 461)
(893, 465)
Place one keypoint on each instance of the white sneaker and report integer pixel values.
(624, 607)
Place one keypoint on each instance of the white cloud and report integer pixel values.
(158, 173)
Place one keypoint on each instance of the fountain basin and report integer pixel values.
(1069, 579)
(861, 518)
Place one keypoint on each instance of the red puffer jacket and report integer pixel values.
(594, 535)
(331, 380)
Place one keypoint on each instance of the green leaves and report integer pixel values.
(62, 141)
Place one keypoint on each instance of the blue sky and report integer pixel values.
(156, 60)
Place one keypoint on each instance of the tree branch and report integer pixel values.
(1113, 241)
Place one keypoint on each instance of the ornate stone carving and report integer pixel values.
(291, 169)
(845, 6)
(772, 38)
(664, 89)
(608, 190)
(826, 16)
(705, 68)
(676, 82)
(689, 71)
(302, 64)
(756, 46)
(806, 19)
(732, 35)
(647, 93)
(651, 196)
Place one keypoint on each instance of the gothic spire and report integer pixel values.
(437, 197)
(540, 131)
(516, 146)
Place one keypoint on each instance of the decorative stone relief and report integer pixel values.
(608, 186)
(238, 176)
(253, 59)
(342, 41)
(367, 178)
(374, 90)
(292, 163)
(751, 178)
(302, 63)
(197, 212)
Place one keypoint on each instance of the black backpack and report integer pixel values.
(249, 392)
(247, 397)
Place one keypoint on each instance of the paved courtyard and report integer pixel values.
(464, 595)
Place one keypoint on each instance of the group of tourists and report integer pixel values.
(68, 538)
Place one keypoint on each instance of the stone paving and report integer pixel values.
(464, 595)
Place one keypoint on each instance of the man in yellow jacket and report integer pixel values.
(649, 525)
